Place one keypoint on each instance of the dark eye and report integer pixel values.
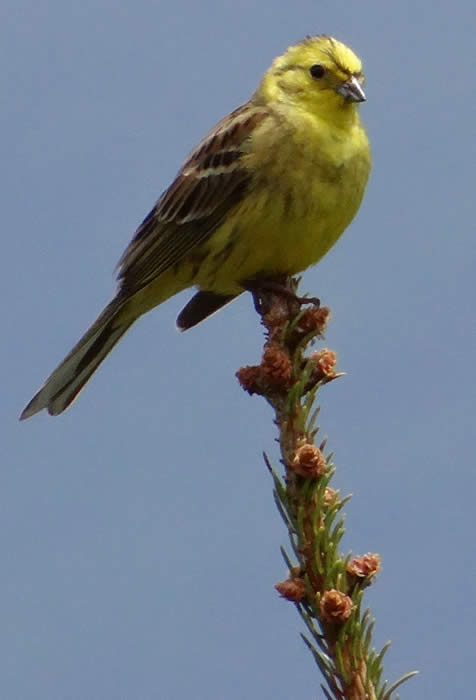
(317, 71)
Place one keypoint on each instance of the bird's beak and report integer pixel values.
(351, 90)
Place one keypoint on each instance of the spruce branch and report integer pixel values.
(326, 587)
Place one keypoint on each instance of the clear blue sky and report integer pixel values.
(138, 536)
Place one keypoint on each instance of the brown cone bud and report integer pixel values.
(276, 366)
(308, 461)
(325, 360)
(292, 589)
(366, 566)
(249, 378)
(335, 606)
(314, 320)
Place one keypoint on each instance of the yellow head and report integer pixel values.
(320, 74)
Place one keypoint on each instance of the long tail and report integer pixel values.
(65, 383)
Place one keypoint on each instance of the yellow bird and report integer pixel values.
(266, 193)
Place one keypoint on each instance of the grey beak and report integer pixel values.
(351, 90)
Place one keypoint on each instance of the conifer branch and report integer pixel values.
(326, 587)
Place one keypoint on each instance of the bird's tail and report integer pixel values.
(67, 380)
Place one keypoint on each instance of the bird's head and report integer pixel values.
(320, 74)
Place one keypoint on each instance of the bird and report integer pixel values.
(265, 194)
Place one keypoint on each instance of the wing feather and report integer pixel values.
(212, 180)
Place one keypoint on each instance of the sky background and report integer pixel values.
(138, 536)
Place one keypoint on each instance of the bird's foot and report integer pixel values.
(264, 290)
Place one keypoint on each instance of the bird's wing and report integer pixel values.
(210, 183)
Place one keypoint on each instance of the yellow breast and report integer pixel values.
(309, 180)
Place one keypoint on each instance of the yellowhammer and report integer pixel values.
(266, 193)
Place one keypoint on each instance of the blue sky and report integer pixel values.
(138, 535)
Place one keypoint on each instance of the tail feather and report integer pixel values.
(201, 306)
(67, 380)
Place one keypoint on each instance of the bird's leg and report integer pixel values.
(262, 291)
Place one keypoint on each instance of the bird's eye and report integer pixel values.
(317, 71)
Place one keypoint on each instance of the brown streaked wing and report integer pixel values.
(210, 183)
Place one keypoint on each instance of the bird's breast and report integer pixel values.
(308, 190)
(303, 193)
